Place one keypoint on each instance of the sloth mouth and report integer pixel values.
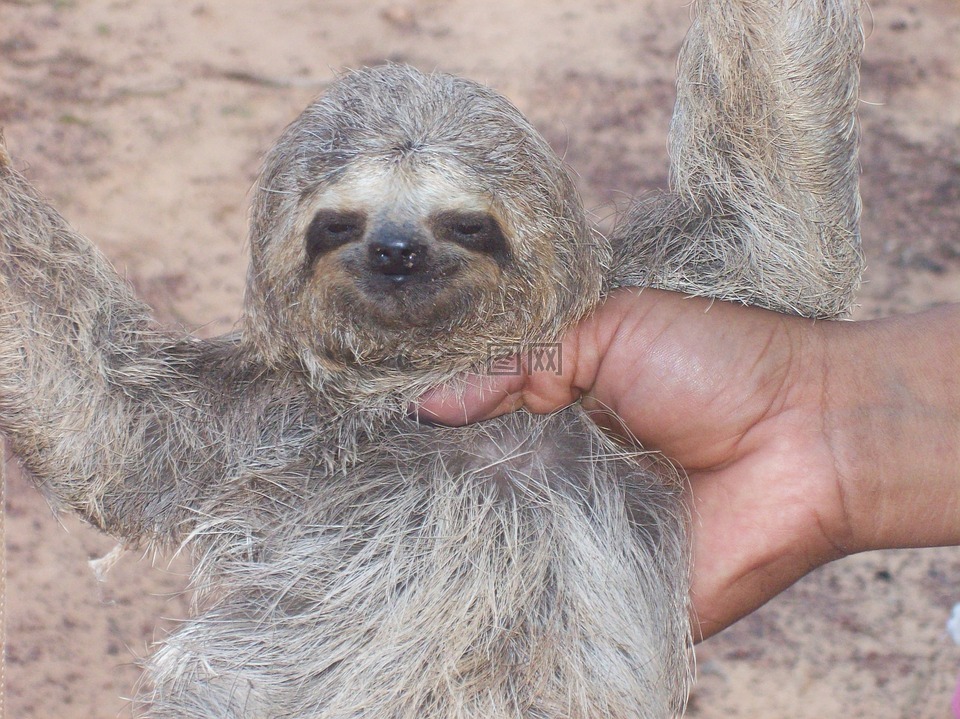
(431, 293)
(414, 285)
(418, 299)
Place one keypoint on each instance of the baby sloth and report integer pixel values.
(350, 561)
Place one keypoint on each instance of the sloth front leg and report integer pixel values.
(763, 205)
(105, 411)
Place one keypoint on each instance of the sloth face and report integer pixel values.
(410, 221)
(396, 250)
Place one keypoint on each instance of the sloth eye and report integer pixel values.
(477, 231)
(329, 229)
(469, 228)
(342, 227)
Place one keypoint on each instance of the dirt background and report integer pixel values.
(145, 120)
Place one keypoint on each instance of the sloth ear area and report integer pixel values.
(330, 229)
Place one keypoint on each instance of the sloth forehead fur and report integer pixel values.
(374, 187)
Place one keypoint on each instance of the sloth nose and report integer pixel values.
(397, 256)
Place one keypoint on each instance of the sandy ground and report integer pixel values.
(145, 121)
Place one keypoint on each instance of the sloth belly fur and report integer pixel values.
(521, 567)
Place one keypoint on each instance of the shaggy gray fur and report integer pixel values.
(764, 205)
(350, 561)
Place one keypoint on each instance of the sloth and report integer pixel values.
(349, 560)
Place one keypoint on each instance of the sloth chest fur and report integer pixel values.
(523, 495)
(526, 551)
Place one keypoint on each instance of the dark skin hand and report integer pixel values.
(803, 441)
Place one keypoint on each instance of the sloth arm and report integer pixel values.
(763, 206)
(114, 419)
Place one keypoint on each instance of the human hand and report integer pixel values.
(766, 413)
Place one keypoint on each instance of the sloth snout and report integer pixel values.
(397, 255)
